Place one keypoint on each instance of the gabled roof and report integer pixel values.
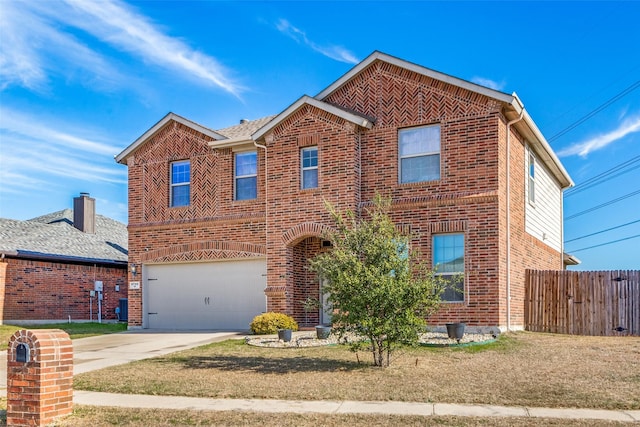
(515, 108)
(248, 132)
(54, 237)
(355, 118)
(401, 63)
(120, 158)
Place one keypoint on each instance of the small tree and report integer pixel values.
(378, 287)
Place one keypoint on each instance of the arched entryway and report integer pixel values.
(308, 301)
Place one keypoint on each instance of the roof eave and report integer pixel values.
(528, 128)
(231, 143)
(307, 100)
(121, 158)
(569, 259)
(62, 258)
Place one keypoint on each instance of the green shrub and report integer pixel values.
(269, 323)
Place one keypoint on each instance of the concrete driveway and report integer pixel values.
(90, 354)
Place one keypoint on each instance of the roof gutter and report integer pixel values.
(37, 256)
(544, 150)
(231, 143)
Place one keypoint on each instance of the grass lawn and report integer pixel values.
(75, 330)
(521, 369)
(97, 417)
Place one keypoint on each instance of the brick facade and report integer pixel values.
(55, 291)
(285, 223)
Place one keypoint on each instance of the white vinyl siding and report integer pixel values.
(543, 218)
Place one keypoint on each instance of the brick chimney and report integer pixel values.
(84, 213)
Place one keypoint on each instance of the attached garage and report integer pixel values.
(208, 295)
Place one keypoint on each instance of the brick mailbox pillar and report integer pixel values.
(39, 377)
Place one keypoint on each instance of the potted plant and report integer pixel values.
(455, 331)
(284, 334)
(313, 304)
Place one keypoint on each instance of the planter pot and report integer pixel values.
(284, 334)
(455, 331)
(323, 332)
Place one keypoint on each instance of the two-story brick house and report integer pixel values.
(222, 223)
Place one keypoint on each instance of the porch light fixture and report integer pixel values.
(133, 270)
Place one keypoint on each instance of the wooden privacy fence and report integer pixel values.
(583, 302)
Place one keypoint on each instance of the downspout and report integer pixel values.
(266, 216)
(509, 217)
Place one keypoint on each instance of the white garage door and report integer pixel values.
(214, 295)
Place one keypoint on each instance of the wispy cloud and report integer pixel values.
(34, 152)
(32, 128)
(334, 52)
(491, 84)
(37, 34)
(596, 143)
(33, 49)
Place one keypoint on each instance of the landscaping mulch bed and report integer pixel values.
(309, 339)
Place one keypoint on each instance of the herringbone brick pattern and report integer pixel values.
(204, 250)
(398, 97)
(177, 142)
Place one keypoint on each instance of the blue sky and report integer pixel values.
(81, 80)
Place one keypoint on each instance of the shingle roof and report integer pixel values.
(54, 236)
(245, 129)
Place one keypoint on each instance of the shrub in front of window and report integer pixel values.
(378, 287)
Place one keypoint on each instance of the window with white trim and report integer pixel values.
(532, 178)
(246, 175)
(419, 154)
(448, 263)
(309, 167)
(180, 194)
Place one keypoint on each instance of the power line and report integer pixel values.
(584, 100)
(601, 181)
(610, 202)
(607, 243)
(604, 176)
(602, 231)
(583, 119)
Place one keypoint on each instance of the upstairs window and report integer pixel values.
(246, 175)
(532, 178)
(309, 162)
(180, 184)
(419, 154)
(448, 263)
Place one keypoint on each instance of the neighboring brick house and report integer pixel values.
(223, 222)
(49, 266)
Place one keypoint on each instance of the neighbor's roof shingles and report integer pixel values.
(54, 236)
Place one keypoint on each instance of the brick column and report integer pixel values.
(39, 377)
(3, 282)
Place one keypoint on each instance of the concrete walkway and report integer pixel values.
(103, 351)
(109, 350)
(344, 407)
